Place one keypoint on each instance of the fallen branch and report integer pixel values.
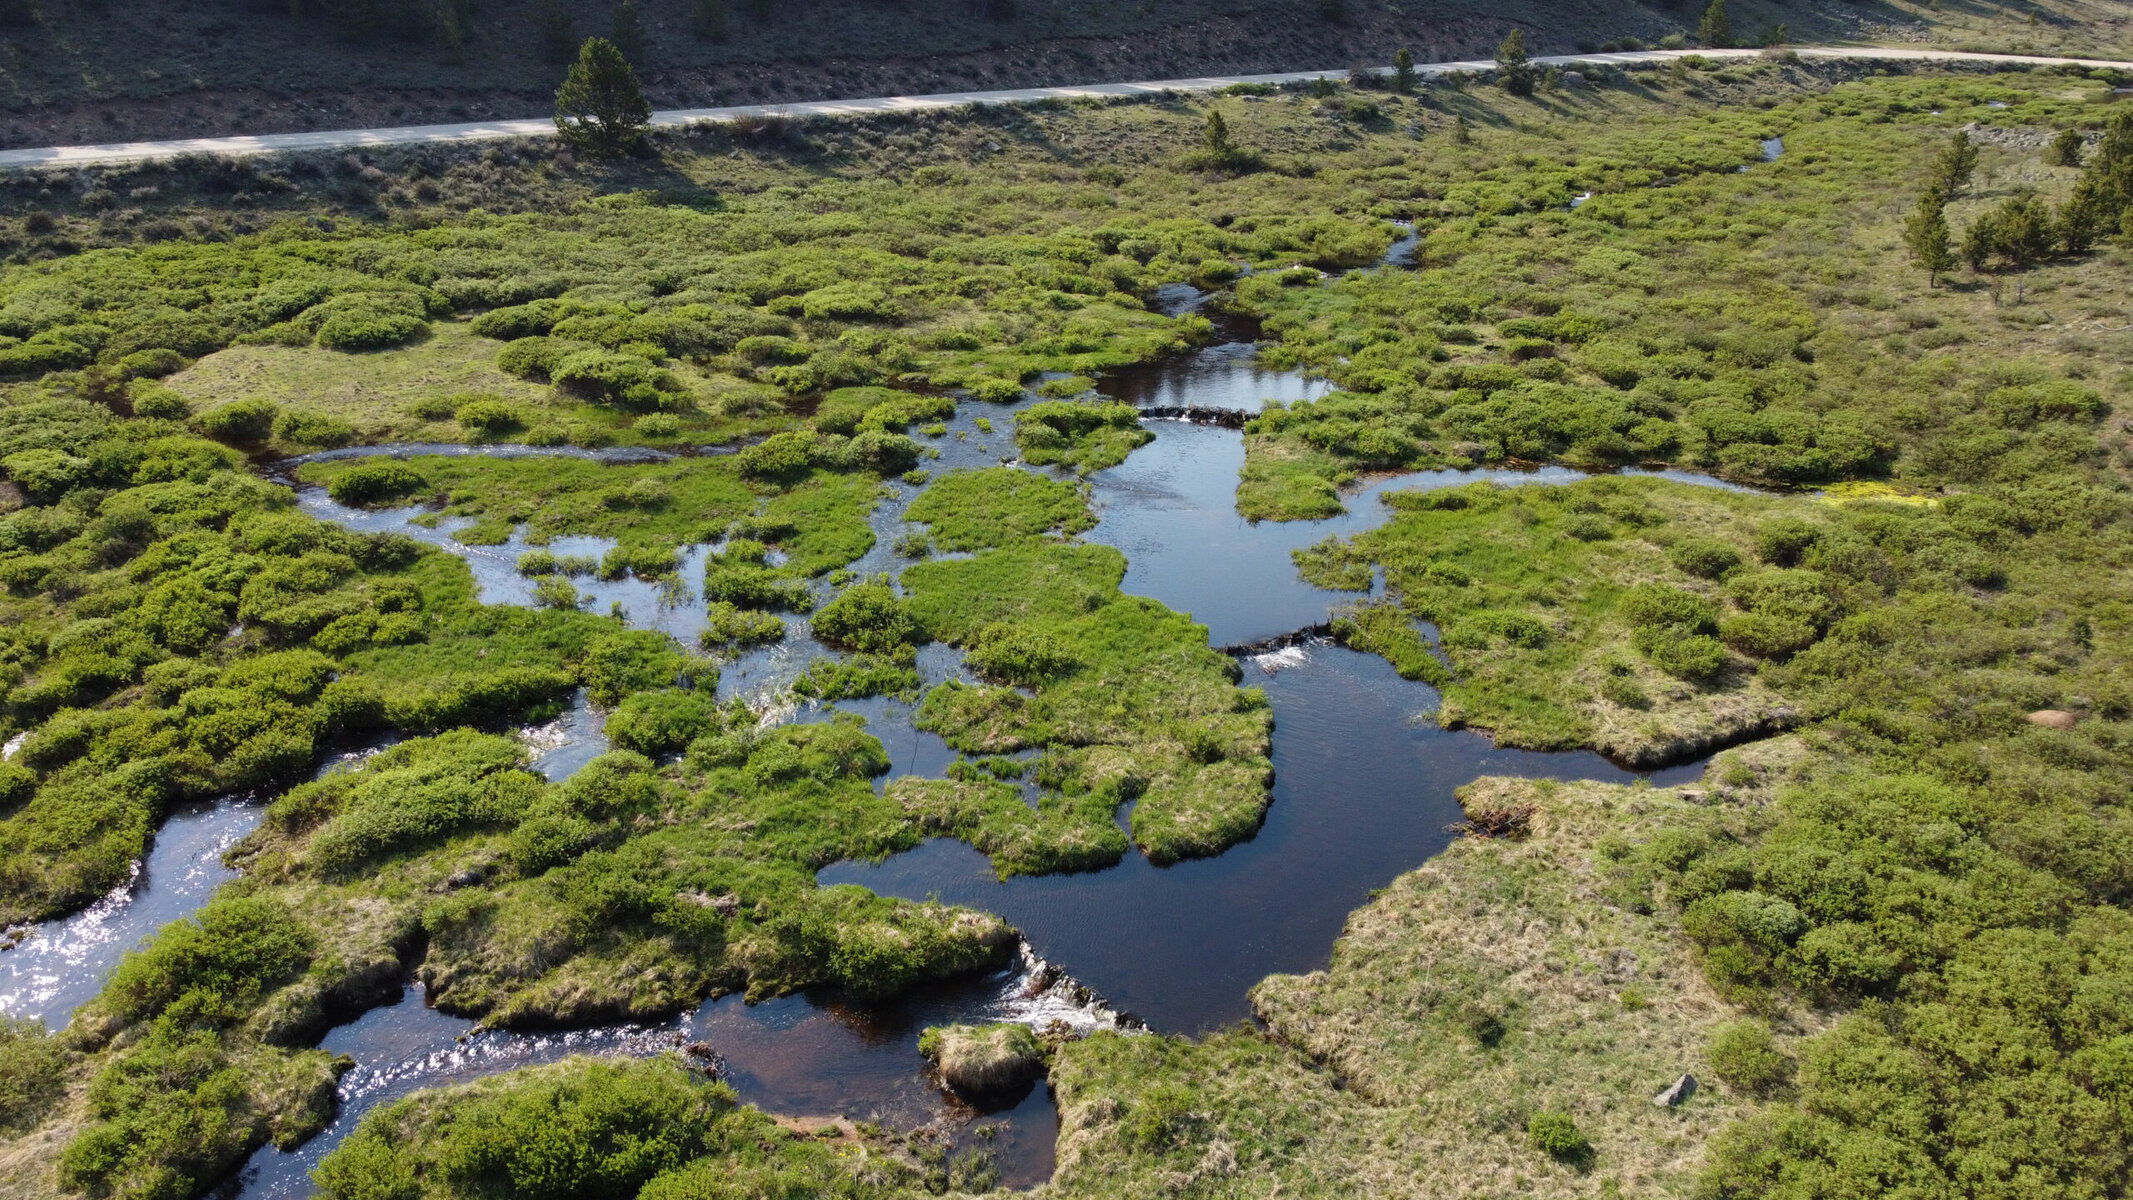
(1513, 822)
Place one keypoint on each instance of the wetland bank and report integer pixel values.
(577, 798)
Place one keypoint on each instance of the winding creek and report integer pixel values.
(1364, 791)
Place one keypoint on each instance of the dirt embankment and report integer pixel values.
(1256, 42)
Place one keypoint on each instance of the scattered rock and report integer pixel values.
(1677, 1094)
(1040, 980)
(2054, 718)
(983, 1060)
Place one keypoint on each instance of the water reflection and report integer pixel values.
(1363, 791)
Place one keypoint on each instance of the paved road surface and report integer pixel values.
(475, 131)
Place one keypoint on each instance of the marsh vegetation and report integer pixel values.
(1933, 867)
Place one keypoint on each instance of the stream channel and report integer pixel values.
(1364, 783)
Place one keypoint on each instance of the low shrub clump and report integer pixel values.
(377, 483)
(1085, 436)
(1557, 1135)
(868, 617)
(651, 1128)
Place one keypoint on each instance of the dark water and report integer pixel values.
(1224, 375)
(795, 1054)
(62, 964)
(1363, 792)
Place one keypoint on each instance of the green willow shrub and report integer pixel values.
(1557, 1135)
(1085, 436)
(1744, 1055)
(662, 722)
(180, 1108)
(235, 946)
(368, 320)
(1656, 604)
(376, 483)
(159, 403)
(868, 617)
(1704, 558)
(608, 377)
(152, 364)
(32, 1074)
(650, 1128)
(996, 391)
(1802, 597)
(1783, 543)
(301, 428)
(241, 421)
(47, 474)
(536, 358)
(1763, 635)
(728, 626)
(778, 456)
(872, 450)
(1741, 934)
(486, 416)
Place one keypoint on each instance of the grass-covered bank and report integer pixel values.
(1501, 982)
(654, 1129)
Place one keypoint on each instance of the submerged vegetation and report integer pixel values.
(1894, 938)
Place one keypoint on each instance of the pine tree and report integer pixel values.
(600, 108)
(1216, 138)
(1513, 63)
(552, 23)
(1977, 243)
(1403, 71)
(2082, 219)
(2111, 167)
(1951, 171)
(1716, 32)
(2027, 230)
(627, 31)
(2065, 150)
(1926, 233)
(1511, 51)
